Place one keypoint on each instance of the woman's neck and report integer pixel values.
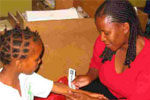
(123, 48)
(139, 45)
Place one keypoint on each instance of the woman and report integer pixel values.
(121, 53)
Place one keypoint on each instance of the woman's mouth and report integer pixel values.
(108, 45)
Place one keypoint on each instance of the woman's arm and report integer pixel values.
(92, 74)
(94, 66)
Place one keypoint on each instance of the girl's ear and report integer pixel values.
(18, 64)
(126, 28)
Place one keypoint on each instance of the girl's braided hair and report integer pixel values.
(15, 44)
(121, 11)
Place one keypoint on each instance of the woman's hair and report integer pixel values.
(15, 44)
(121, 11)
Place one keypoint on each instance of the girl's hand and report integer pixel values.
(81, 81)
(61, 88)
(96, 95)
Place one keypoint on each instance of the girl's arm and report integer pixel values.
(63, 89)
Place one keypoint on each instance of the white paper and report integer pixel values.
(71, 77)
(52, 15)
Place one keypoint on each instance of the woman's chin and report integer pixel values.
(111, 47)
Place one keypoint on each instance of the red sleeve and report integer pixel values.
(97, 51)
(142, 88)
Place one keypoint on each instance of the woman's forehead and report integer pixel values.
(106, 23)
(104, 19)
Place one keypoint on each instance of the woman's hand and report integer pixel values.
(91, 94)
(81, 81)
(83, 96)
(96, 95)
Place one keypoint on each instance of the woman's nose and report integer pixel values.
(103, 37)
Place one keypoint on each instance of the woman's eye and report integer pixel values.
(106, 33)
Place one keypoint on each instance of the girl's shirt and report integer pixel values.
(31, 85)
(134, 82)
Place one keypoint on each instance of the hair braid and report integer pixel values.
(15, 44)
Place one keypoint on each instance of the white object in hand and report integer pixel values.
(71, 77)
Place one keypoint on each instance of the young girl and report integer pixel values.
(21, 52)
